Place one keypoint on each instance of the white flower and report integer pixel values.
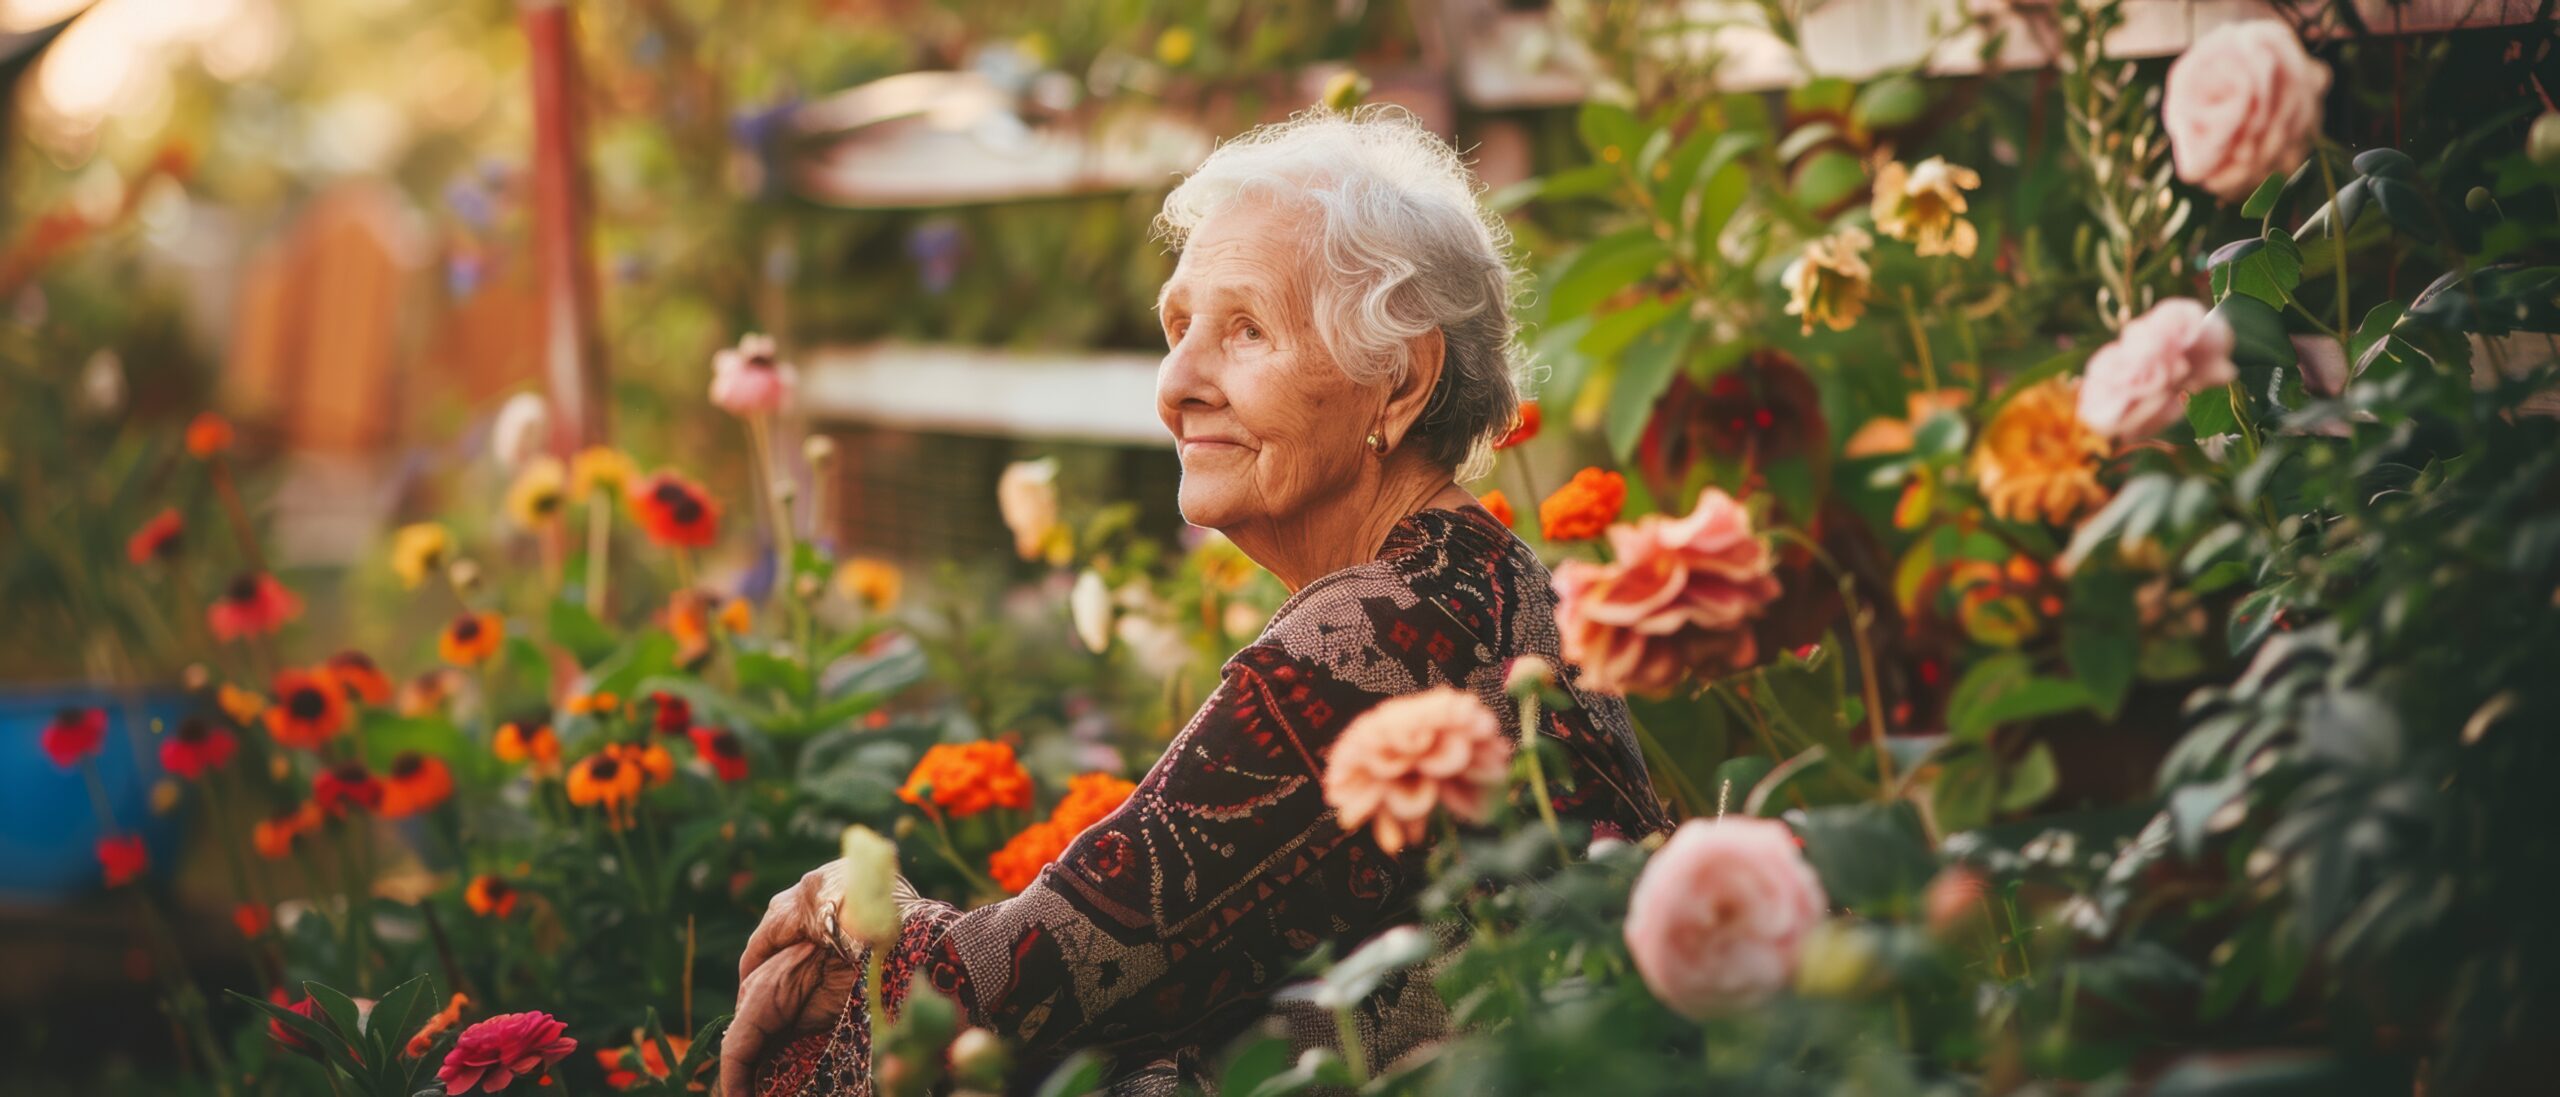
(869, 877)
(520, 430)
(1089, 607)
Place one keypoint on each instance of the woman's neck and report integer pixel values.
(1349, 528)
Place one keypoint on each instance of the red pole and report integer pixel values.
(573, 364)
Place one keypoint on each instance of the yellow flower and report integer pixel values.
(872, 582)
(533, 501)
(1828, 284)
(243, 706)
(418, 552)
(600, 469)
(2036, 461)
(1175, 46)
(1924, 206)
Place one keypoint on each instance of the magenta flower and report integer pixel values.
(749, 379)
(491, 1054)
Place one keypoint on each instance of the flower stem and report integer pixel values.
(1919, 342)
(599, 552)
(1538, 773)
(1353, 1057)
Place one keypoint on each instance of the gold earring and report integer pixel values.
(1377, 445)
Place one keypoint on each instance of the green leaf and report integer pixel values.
(1896, 100)
(1601, 269)
(2259, 331)
(2388, 163)
(2262, 201)
(1871, 857)
(1080, 1074)
(2101, 636)
(761, 670)
(1607, 126)
(1828, 179)
(2267, 273)
(1258, 1063)
(2031, 780)
(1643, 373)
(2005, 689)
(2209, 412)
(2407, 207)
(572, 627)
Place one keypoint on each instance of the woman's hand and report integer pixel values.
(793, 978)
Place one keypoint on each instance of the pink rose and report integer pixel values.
(2138, 384)
(2242, 104)
(1719, 915)
(748, 379)
(1439, 748)
(1678, 600)
(491, 1055)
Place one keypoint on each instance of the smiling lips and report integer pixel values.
(1204, 442)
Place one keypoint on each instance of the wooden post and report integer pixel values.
(573, 363)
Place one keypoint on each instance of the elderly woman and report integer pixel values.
(1341, 354)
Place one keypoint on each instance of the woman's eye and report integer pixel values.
(1251, 331)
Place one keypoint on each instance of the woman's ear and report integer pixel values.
(1411, 396)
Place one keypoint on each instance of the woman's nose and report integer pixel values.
(1188, 374)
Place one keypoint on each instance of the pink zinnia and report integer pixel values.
(1679, 600)
(74, 735)
(1410, 754)
(748, 379)
(491, 1054)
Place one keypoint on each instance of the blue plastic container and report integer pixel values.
(49, 828)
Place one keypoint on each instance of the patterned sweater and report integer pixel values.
(1160, 933)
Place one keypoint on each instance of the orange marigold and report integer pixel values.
(967, 778)
(1584, 507)
(1090, 797)
(2036, 461)
(1019, 863)
(1499, 505)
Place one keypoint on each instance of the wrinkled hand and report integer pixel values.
(792, 979)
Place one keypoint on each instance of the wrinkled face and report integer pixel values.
(1267, 425)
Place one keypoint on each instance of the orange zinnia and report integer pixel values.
(364, 681)
(490, 897)
(418, 783)
(527, 740)
(1499, 505)
(208, 435)
(1584, 507)
(967, 778)
(310, 709)
(471, 639)
(2037, 462)
(1019, 863)
(675, 511)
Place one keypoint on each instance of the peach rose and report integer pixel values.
(2138, 385)
(1410, 754)
(1720, 913)
(2242, 104)
(1679, 599)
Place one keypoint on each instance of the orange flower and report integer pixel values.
(719, 748)
(364, 681)
(591, 704)
(310, 709)
(418, 783)
(602, 780)
(347, 785)
(2036, 462)
(967, 778)
(736, 616)
(1525, 429)
(1090, 797)
(1881, 437)
(471, 639)
(424, 1040)
(527, 740)
(623, 1066)
(1038, 846)
(1584, 507)
(1499, 505)
(253, 605)
(651, 760)
(242, 706)
(208, 435)
(426, 694)
(158, 539)
(675, 511)
(490, 897)
(274, 835)
(689, 621)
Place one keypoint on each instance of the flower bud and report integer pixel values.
(196, 677)
(2479, 200)
(1527, 673)
(2542, 143)
(1838, 961)
(819, 450)
(869, 913)
(979, 1059)
(464, 575)
(164, 796)
(1345, 90)
(805, 587)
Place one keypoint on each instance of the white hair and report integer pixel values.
(1402, 247)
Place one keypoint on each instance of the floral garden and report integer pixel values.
(2081, 547)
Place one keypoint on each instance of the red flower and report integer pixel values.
(208, 435)
(670, 714)
(158, 539)
(1525, 429)
(675, 511)
(251, 920)
(123, 858)
(495, 1052)
(364, 681)
(287, 1038)
(197, 747)
(345, 784)
(74, 735)
(720, 747)
(253, 605)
